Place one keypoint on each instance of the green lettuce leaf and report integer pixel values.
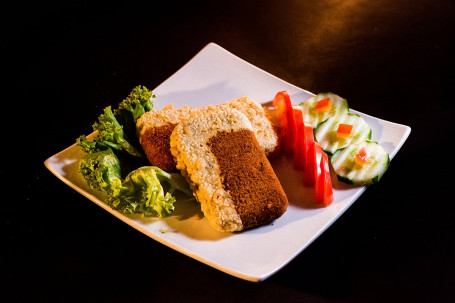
(110, 134)
(115, 152)
(117, 128)
(138, 102)
(100, 169)
(142, 192)
(175, 180)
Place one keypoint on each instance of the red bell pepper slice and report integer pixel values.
(308, 140)
(299, 149)
(328, 189)
(323, 188)
(319, 185)
(318, 173)
(310, 170)
(282, 103)
(279, 113)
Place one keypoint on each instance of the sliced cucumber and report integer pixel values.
(326, 132)
(348, 171)
(310, 115)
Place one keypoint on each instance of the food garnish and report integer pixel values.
(356, 159)
(323, 106)
(113, 154)
(344, 130)
(362, 156)
(285, 114)
(315, 112)
(347, 161)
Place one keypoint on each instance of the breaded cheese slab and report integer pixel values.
(230, 175)
(155, 127)
(262, 128)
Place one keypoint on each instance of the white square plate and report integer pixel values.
(213, 76)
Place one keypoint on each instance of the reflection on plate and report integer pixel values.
(213, 76)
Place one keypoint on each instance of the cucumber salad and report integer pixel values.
(346, 138)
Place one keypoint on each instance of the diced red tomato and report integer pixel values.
(344, 130)
(323, 105)
(299, 148)
(282, 103)
(323, 188)
(362, 156)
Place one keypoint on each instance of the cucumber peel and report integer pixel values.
(310, 115)
(348, 171)
(326, 132)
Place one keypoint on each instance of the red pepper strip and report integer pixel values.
(328, 189)
(323, 189)
(308, 139)
(299, 151)
(280, 109)
(282, 102)
(310, 164)
(318, 174)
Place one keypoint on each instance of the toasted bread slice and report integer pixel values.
(230, 175)
(155, 127)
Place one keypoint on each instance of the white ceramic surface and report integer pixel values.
(213, 76)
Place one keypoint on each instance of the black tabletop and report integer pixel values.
(64, 63)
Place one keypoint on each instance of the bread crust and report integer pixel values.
(194, 144)
(248, 177)
(154, 128)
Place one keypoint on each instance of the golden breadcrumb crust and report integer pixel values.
(206, 148)
(154, 128)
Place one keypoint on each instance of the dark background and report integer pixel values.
(64, 62)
